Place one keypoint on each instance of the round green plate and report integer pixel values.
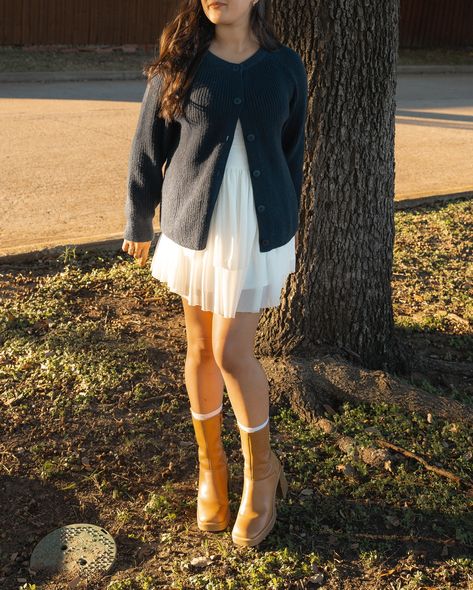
(82, 549)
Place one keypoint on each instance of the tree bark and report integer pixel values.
(340, 294)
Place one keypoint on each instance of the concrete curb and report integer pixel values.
(54, 251)
(412, 202)
(84, 75)
(435, 69)
(115, 243)
(72, 76)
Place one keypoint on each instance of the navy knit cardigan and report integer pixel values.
(268, 93)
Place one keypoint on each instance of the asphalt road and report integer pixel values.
(434, 135)
(65, 145)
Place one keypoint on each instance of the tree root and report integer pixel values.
(312, 389)
(438, 470)
(439, 366)
(310, 385)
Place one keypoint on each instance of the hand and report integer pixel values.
(139, 250)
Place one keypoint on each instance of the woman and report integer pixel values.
(225, 109)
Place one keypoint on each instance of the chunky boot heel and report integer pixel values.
(213, 512)
(282, 485)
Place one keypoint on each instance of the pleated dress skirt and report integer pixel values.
(231, 274)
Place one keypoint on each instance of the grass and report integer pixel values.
(432, 288)
(436, 56)
(96, 428)
(17, 59)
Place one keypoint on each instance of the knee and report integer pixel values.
(231, 358)
(200, 351)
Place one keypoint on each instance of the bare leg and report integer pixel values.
(203, 378)
(204, 385)
(245, 379)
(247, 386)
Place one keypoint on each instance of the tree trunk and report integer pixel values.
(340, 294)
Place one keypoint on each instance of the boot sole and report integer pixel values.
(256, 540)
(281, 491)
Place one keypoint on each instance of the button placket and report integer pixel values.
(250, 137)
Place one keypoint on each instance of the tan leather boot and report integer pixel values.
(263, 479)
(213, 511)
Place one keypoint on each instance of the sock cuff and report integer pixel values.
(205, 416)
(253, 428)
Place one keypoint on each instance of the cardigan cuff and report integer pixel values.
(139, 231)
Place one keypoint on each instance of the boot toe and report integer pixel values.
(212, 518)
(253, 531)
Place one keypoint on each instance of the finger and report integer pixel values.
(145, 249)
(142, 260)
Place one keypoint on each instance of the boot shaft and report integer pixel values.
(208, 434)
(257, 453)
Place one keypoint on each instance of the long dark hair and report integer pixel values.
(182, 44)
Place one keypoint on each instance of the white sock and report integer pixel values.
(205, 416)
(253, 428)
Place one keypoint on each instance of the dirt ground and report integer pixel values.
(95, 428)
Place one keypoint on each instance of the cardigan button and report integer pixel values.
(250, 137)
(237, 100)
(236, 68)
(261, 207)
(265, 242)
(256, 172)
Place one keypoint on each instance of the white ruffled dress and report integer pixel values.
(231, 274)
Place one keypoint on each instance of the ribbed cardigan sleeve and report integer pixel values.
(146, 159)
(293, 135)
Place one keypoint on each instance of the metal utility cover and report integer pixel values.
(82, 549)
